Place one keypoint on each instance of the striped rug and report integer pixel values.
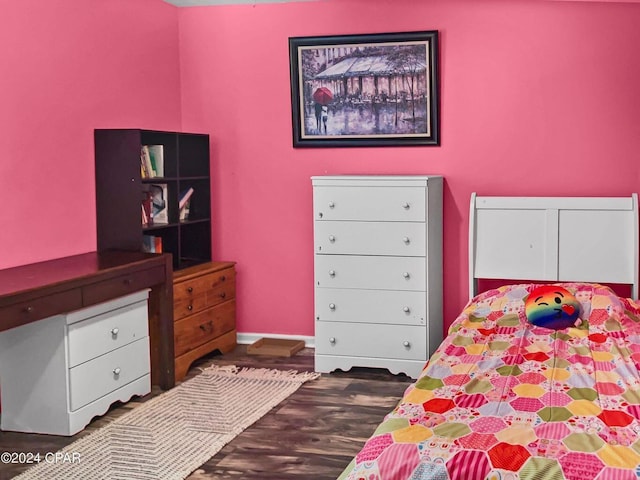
(174, 433)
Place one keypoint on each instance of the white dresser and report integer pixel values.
(56, 374)
(378, 271)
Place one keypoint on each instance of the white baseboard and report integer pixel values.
(248, 338)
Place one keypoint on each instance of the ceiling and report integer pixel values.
(195, 3)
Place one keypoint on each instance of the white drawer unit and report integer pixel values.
(378, 271)
(58, 373)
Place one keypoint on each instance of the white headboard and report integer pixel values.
(555, 239)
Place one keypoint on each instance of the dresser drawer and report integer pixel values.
(103, 333)
(370, 238)
(371, 340)
(369, 272)
(384, 203)
(221, 286)
(122, 285)
(102, 375)
(202, 327)
(370, 306)
(189, 297)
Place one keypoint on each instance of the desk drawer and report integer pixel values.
(202, 327)
(101, 334)
(122, 285)
(39, 308)
(373, 340)
(102, 375)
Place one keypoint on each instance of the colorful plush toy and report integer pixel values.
(551, 306)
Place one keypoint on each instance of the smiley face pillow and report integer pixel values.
(551, 306)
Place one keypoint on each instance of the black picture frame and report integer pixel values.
(383, 90)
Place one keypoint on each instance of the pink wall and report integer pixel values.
(69, 66)
(538, 98)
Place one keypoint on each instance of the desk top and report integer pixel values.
(34, 276)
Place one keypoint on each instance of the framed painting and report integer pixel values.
(365, 90)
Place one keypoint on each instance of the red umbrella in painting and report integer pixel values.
(323, 96)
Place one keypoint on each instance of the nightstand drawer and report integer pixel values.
(221, 286)
(189, 297)
(197, 329)
(370, 203)
(370, 306)
(371, 272)
(100, 334)
(102, 375)
(370, 238)
(371, 340)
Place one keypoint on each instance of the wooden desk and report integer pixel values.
(39, 290)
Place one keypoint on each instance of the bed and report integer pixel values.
(503, 399)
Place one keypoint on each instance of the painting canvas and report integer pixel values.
(365, 90)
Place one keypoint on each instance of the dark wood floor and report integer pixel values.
(313, 434)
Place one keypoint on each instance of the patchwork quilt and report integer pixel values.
(502, 399)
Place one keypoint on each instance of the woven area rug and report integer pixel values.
(174, 433)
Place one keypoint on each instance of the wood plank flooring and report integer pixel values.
(313, 434)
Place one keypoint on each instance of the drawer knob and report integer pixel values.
(406, 206)
(332, 306)
(332, 273)
(223, 278)
(406, 240)
(190, 289)
(116, 371)
(332, 238)
(406, 275)
(223, 294)
(407, 344)
(114, 331)
(406, 309)
(332, 340)
(332, 205)
(189, 307)
(28, 309)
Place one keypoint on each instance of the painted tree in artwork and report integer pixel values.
(408, 61)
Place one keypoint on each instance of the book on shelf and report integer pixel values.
(146, 168)
(154, 204)
(151, 244)
(156, 156)
(184, 204)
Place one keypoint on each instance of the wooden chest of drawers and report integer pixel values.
(204, 312)
(378, 271)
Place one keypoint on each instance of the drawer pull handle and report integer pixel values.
(207, 326)
(406, 240)
(116, 371)
(223, 278)
(332, 340)
(406, 275)
(190, 289)
(223, 294)
(407, 344)
(189, 307)
(406, 309)
(406, 206)
(332, 205)
(28, 309)
(332, 306)
(332, 238)
(332, 273)
(114, 331)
